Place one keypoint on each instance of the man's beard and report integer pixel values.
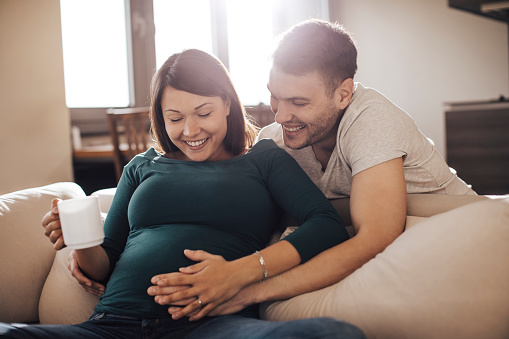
(325, 125)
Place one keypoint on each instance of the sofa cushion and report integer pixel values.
(63, 300)
(27, 254)
(445, 277)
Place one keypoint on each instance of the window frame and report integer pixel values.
(141, 66)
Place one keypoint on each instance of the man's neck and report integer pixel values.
(323, 150)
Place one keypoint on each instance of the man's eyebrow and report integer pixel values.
(287, 99)
(297, 98)
(291, 98)
(196, 108)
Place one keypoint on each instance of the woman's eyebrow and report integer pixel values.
(200, 106)
(196, 108)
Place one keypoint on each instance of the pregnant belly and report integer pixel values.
(159, 250)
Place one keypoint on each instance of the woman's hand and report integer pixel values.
(198, 288)
(90, 286)
(52, 227)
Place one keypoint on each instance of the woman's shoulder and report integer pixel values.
(267, 151)
(266, 146)
(149, 155)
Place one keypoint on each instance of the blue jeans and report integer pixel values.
(101, 325)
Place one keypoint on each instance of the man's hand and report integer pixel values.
(52, 227)
(243, 299)
(90, 286)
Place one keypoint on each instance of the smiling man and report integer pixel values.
(353, 142)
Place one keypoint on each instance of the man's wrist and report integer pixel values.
(258, 292)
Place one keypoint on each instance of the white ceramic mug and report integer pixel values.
(81, 222)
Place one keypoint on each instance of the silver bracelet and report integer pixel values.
(262, 262)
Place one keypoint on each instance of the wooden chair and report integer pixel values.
(129, 130)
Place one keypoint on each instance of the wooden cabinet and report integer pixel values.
(498, 10)
(477, 137)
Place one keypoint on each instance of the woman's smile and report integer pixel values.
(196, 144)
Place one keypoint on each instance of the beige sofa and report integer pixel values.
(446, 276)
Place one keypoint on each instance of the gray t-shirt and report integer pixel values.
(374, 130)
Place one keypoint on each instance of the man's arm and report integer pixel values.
(378, 211)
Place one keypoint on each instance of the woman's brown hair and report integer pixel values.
(200, 73)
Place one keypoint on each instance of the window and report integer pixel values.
(250, 37)
(95, 53)
(112, 48)
(172, 18)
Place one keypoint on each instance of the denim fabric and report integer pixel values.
(102, 325)
(249, 328)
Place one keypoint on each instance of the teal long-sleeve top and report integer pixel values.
(229, 208)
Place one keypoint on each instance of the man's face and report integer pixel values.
(302, 106)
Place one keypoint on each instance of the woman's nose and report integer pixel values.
(191, 128)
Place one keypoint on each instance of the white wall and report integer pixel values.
(35, 146)
(421, 53)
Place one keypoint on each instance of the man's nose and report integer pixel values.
(282, 113)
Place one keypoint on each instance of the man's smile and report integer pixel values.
(293, 129)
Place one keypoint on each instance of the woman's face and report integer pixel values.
(196, 124)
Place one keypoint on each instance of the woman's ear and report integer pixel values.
(344, 93)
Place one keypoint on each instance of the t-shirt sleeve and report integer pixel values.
(320, 225)
(378, 134)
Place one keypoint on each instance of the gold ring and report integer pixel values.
(199, 302)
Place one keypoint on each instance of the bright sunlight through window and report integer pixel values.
(181, 25)
(95, 53)
(250, 37)
(187, 24)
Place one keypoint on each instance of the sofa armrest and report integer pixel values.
(27, 254)
(418, 205)
(105, 198)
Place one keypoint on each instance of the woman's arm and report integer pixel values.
(93, 262)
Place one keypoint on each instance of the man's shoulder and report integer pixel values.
(274, 132)
(368, 106)
(365, 98)
(270, 131)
